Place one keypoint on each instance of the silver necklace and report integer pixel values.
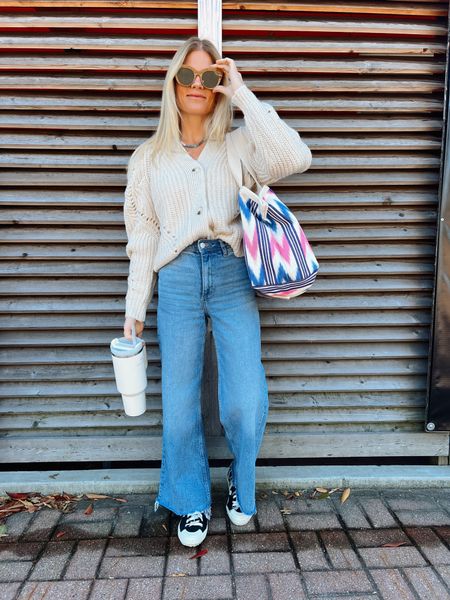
(192, 145)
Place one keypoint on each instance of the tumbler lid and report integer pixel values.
(122, 347)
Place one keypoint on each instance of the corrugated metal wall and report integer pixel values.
(363, 82)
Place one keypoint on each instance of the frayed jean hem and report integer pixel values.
(207, 510)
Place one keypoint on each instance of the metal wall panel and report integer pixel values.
(438, 407)
(346, 363)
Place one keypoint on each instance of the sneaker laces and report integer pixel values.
(234, 501)
(195, 518)
(232, 491)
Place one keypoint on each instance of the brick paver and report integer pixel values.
(285, 586)
(377, 512)
(430, 544)
(17, 524)
(392, 557)
(79, 531)
(351, 513)
(252, 585)
(262, 562)
(426, 583)
(131, 566)
(310, 554)
(129, 522)
(8, 591)
(378, 537)
(269, 516)
(379, 544)
(144, 588)
(333, 582)
(84, 563)
(53, 561)
(208, 587)
(217, 561)
(55, 590)
(339, 550)
(154, 546)
(392, 585)
(21, 551)
(14, 570)
(314, 521)
(246, 542)
(110, 589)
(425, 517)
(41, 526)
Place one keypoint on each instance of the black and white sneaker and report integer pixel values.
(233, 509)
(192, 528)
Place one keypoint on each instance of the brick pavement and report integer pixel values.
(298, 548)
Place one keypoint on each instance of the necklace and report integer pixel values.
(192, 145)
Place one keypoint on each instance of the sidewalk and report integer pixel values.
(295, 548)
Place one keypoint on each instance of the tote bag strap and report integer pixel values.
(237, 152)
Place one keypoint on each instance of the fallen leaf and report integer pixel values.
(89, 509)
(274, 492)
(393, 544)
(345, 495)
(297, 493)
(177, 575)
(121, 499)
(321, 490)
(3, 531)
(28, 504)
(96, 496)
(60, 534)
(200, 553)
(18, 495)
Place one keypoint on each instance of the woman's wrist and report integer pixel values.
(236, 88)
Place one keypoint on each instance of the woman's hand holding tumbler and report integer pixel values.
(129, 321)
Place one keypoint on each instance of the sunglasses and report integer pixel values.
(210, 77)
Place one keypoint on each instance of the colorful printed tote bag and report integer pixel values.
(279, 258)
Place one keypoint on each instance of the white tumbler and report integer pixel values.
(130, 369)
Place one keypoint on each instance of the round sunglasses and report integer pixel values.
(210, 77)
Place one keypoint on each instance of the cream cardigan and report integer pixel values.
(184, 199)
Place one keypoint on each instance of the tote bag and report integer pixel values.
(280, 261)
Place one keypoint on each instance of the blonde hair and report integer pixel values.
(167, 133)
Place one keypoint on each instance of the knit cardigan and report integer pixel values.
(185, 199)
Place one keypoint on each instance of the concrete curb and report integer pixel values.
(143, 481)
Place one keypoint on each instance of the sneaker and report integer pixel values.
(192, 528)
(233, 509)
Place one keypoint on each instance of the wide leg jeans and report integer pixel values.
(208, 280)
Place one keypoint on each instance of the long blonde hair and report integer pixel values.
(167, 133)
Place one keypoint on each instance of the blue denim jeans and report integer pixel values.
(208, 279)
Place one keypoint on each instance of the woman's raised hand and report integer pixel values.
(228, 66)
(127, 327)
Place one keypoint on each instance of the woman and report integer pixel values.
(183, 226)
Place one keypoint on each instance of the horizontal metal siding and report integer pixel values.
(346, 363)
